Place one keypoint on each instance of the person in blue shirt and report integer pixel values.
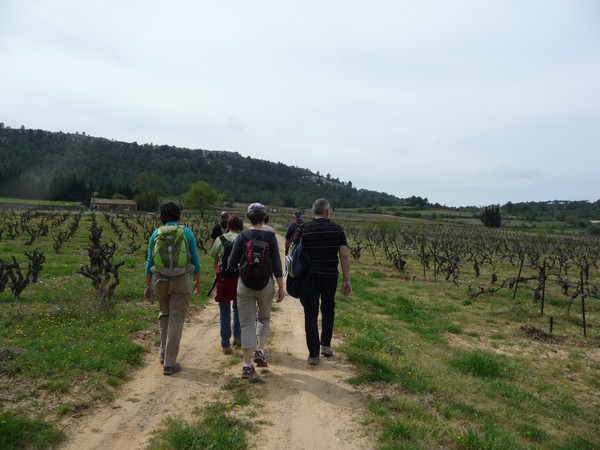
(173, 292)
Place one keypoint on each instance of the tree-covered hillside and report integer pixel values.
(61, 166)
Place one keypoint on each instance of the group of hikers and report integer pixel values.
(248, 267)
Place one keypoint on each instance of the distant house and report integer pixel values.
(112, 204)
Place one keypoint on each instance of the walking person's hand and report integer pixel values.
(346, 288)
(280, 290)
(148, 294)
(196, 287)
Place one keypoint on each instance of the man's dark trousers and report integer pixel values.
(325, 287)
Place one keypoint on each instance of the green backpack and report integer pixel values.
(171, 252)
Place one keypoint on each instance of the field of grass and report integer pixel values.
(19, 201)
(446, 372)
(440, 369)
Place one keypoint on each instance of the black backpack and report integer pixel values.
(256, 266)
(300, 278)
(224, 269)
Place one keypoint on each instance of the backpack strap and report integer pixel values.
(298, 233)
(212, 287)
(224, 243)
(245, 238)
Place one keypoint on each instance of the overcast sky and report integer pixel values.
(462, 102)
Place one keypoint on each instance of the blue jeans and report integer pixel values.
(225, 318)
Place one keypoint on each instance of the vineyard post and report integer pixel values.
(423, 262)
(522, 258)
(583, 304)
(435, 257)
(543, 285)
(551, 324)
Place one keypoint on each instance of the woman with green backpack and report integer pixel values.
(172, 259)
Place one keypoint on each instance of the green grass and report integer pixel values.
(482, 364)
(18, 432)
(55, 344)
(216, 429)
(461, 374)
(219, 425)
(17, 201)
(487, 437)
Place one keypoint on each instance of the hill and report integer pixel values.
(66, 166)
(44, 165)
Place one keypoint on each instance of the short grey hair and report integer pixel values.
(320, 206)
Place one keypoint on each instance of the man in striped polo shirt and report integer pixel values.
(324, 241)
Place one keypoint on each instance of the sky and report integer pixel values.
(463, 102)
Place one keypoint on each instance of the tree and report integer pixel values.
(200, 196)
(149, 187)
(147, 201)
(417, 201)
(490, 217)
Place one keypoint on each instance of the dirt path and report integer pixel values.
(303, 407)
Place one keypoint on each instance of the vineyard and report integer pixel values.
(115, 244)
(71, 285)
(562, 268)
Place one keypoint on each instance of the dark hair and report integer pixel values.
(234, 223)
(169, 212)
(256, 217)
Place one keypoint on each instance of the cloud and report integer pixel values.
(236, 125)
(412, 98)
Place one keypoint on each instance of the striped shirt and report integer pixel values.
(322, 240)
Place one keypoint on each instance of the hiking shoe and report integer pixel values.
(313, 360)
(170, 370)
(226, 350)
(248, 371)
(260, 359)
(237, 343)
(326, 351)
(161, 358)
